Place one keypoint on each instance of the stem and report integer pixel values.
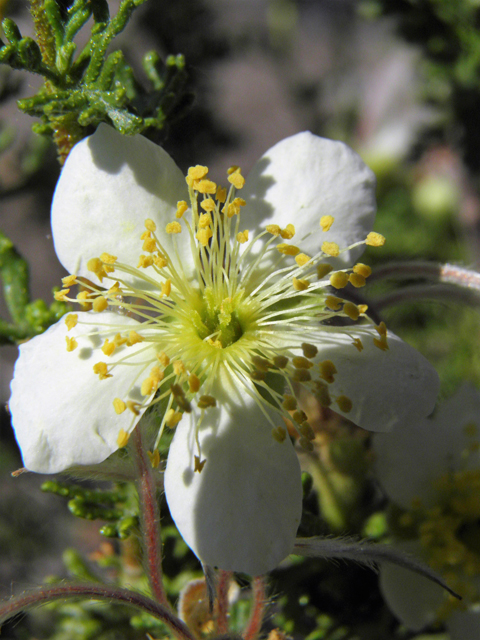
(254, 625)
(95, 592)
(222, 598)
(448, 273)
(429, 292)
(43, 31)
(150, 518)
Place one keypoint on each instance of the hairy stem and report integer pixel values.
(222, 599)
(428, 292)
(448, 273)
(150, 518)
(43, 595)
(254, 625)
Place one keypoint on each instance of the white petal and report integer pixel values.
(61, 412)
(465, 625)
(109, 186)
(386, 387)
(412, 598)
(410, 459)
(303, 178)
(241, 513)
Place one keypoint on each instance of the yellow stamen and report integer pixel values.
(102, 370)
(351, 310)
(119, 406)
(375, 239)
(100, 304)
(205, 220)
(144, 262)
(344, 404)
(173, 227)
(357, 280)
(71, 320)
(274, 229)
(108, 258)
(323, 270)
(242, 236)
(333, 303)
(331, 249)
(109, 347)
(279, 434)
(358, 344)
(236, 179)
(288, 232)
(326, 222)
(302, 259)
(221, 194)
(289, 403)
(193, 383)
(71, 343)
(182, 206)
(172, 418)
(60, 295)
(327, 370)
(288, 249)
(208, 204)
(300, 285)
(339, 279)
(362, 269)
(68, 281)
(204, 235)
(309, 350)
(205, 186)
(123, 438)
(154, 458)
(166, 287)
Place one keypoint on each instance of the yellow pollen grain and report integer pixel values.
(198, 172)
(358, 344)
(108, 258)
(133, 338)
(134, 407)
(144, 262)
(179, 368)
(150, 225)
(274, 229)
(205, 220)
(362, 269)
(242, 236)
(323, 270)
(119, 406)
(204, 402)
(232, 169)
(302, 259)
(262, 364)
(221, 194)
(232, 210)
(351, 310)
(123, 438)
(299, 416)
(150, 245)
(100, 304)
(109, 347)
(279, 434)
(148, 386)
(236, 179)
(172, 418)
(160, 261)
(339, 279)
(381, 329)
(166, 287)
(309, 350)
(119, 340)
(102, 370)
(344, 404)
(204, 235)
(357, 280)
(375, 239)
(307, 431)
(381, 343)
(326, 222)
(331, 249)
(163, 359)
(239, 202)
(83, 299)
(60, 295)
(288, 249)
(173, 227)
(208, 204)
(288, 232)
(300, 285)
(146, 234)
(300, 362)
(199, 464)
(305, 444)
(327, 370)
(289, 402)
(71, 343)
(114, 289)
(363, 308)
(71, 320)
(301, 375)
(333, 303)
(68, 281)
(205, 186)
(182, 206)
(280, 361)
(154, 458)
(193, 383)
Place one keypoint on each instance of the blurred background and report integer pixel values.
(398, 80)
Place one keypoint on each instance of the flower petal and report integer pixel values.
(386, 387)
(424, 449)
(465, 625)
(61, 412)
(109, 186)
(242, 511)
(412, 598)
(303, 178)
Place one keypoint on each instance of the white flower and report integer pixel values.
(204, 301)
(431, 469)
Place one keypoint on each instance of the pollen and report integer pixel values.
(68, 281)
(242, 236)
(205, 220)
(197, 173)
(71, 320)
(236, 179)
(179, 368)
(288, 232)
(172, 418)
(274, 229)
(204, 402)
(351, 310)
(356, 280)
(60, 295)
(205, 186)
(327, 370)
(154, 458)
(144, 262)
(375, 239)
(71, 343)
(163, 359)
(300, 362)
(204, 235)
(279, 434)
(344, 404)
(289, 402)
(108, 258)
(362, 269)
(134, 407)
(102, 370)
(363, 308)
(331, 249)
(166, 288)
(109, 347)
(123, 438)
(339, 279)
(150, 244)
(208, 204)
(300, 285)
(160, 261)
(302, 259)
(198, 465)
(193, 383)
(182, 206)
(221, 194)
(358, 344)
(381, 343)
(288, 249)
(119, 406)
(326, 222)
(133, 338)
(100, 304)
(309, 350)
(323, 270)
(333, 303)
(173, 227)
(280, 361)
(150, 225)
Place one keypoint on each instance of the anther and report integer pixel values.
(300, 284)
(356, 280)
(261, 363)
(322, 393)
(307, 431)
(301, 375)
(173, 227)
(154, 457)
(351, 310)
(100, 304)
(204, 235)
(299, 362)
(288, 249)
(119, 406)
(273, 229)
(197, 173)
(333, 303)
(208, 204)
(339, 279)
(221, 194)
(288, 232)
(375, 239)
(236, 179)
(326, 222)
(362, 269)
(144, 262)
(309, 350)
(179, 368)
(205, 186)
(198, 466)
(172, 418)
(68, 281)
(302, 259)
(344, 404)
(289, 402)
(166, 288)
(150, 225)
(108, 258)
(279, 434)
(108, 347)
(149, 245)
(242, 236)
(299, 416)
(71, 320)
(72, 344)
(280, 361)
(331, 249)
(123, 438)
(133, 338)
(102, 370)
(182, 206)
(60, 295)
(358, 344)
(204, 402)
(163, 359)
(327, 370)
(323, 270)
(193, 383)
